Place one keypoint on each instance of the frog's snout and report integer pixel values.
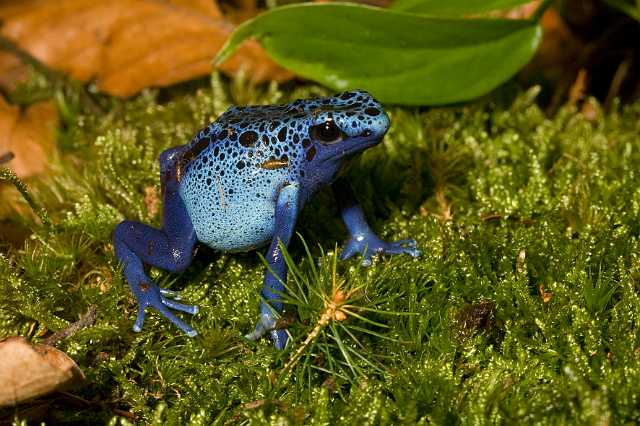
(373, 117)
(377, 124)
(380, 125)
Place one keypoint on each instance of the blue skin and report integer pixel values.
(241, 183)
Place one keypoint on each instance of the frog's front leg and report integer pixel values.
(287, 208)
(169, 248)
(362, 239)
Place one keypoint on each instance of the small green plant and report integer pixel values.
(337, 339)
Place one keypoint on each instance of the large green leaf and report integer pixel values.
(454, 8)
(400, 58)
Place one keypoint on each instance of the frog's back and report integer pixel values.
(233, 171)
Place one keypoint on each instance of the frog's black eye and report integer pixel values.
(326, 132)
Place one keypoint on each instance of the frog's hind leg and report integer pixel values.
(169, 248)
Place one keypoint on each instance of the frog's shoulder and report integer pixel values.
(179, 158)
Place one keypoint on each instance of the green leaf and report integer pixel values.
(398, 57)
(454, 8)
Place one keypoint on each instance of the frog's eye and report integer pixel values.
(326, 132)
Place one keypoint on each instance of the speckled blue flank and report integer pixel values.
(230, 188)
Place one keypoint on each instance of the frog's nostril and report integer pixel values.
(366, 133)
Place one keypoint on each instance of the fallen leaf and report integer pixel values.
(28, 134)
(206, 7)
(239, 10)
(28, 371)
(127, 45)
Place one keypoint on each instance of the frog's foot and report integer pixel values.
(267, 323)
(149, 294)
(369, 245)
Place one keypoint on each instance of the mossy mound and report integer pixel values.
(524, 307)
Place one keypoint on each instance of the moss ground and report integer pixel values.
(524, 307)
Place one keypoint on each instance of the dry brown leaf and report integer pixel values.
(240, 10)
(28, 134)
(28, 371)
(206, 7)
(127, 45)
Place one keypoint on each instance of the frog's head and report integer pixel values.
(340, 126)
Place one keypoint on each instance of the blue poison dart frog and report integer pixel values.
(241, 183)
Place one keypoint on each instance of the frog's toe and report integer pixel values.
(177, 321)
(267, 323)
(350, 250)
(137, 326)
(367, 260)
(170, 293)
(190, 309)
(410, 242)
(149, 294)
(403, 247)
(369, 246)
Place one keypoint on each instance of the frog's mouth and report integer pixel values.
(357, 146)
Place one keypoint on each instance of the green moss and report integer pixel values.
(507, 205)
